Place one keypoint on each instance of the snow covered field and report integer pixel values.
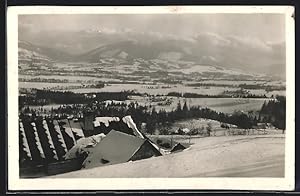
(224, 156)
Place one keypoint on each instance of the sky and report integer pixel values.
(269, 28)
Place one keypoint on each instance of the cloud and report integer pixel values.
(250, 42)
(215, 38)
(26, 27)
(235, 42)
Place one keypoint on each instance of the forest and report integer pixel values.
(45, 97)
(272, 111)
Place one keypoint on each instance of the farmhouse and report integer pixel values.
(48, 146)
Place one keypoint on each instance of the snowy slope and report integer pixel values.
(239, 156)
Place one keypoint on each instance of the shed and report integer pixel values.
(119, 147)
(169, 145)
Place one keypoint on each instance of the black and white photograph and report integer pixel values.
(185, 96)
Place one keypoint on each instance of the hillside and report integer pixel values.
(258, 156)
(47, 52)
(133, 50)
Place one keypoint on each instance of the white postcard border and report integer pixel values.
(15, 183)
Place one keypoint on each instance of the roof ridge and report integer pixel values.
(120, 132)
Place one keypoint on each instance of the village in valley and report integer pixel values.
(167, 108)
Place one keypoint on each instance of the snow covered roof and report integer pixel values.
(83, 145)
(56, 140)
(186, 130)
(116, 147)
(126, 125)
(105, 121)
(128, 120)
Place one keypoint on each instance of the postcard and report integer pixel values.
(151, 97)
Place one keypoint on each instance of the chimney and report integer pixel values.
(88, 121)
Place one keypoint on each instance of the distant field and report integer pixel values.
(156, 89)
(229, 105)
(249, 82)
(142, 88)
(49, 107)
(226, 105)
(159, 89)
(42, 85)
(71, 78)
(97, 78)
(201, 124)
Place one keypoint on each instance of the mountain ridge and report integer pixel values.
(230, 52)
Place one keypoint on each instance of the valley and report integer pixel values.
(158, 75)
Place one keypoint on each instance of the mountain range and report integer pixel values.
(247, 54)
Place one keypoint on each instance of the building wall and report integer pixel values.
(145, 151)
